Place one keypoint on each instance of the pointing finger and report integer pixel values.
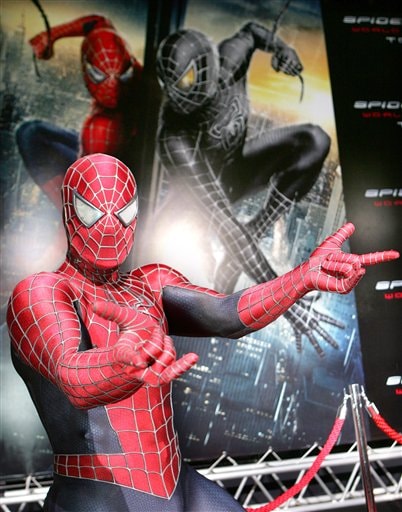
(179, 367)
(110, 311)
(372, 258)
(122, 315)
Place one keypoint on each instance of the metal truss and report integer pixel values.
(337, 485)
(21, 493)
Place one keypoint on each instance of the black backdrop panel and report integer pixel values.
(364, 45)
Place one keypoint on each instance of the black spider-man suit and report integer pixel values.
(202, 139)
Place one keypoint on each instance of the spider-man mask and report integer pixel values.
(100, 211)
(188, 69)
(107, 66)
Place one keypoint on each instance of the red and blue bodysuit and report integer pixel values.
(93, 346)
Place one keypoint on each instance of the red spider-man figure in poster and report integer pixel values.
(94, 348)
(112, 77)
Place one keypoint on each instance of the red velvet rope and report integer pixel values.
(332, 438)
(308, 476)
(384, 426)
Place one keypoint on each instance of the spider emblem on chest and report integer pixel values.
(231, 125)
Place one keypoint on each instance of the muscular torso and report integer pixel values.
(104, 423)
(131, 435)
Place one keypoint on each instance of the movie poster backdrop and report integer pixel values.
(246, 395)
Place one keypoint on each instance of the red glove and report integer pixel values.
(42, 46)
(143, 345)
(328, 269)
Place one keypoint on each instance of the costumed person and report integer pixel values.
(93, 346)
(202, 142)
(112, 76)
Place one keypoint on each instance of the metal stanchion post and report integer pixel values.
(361, 439)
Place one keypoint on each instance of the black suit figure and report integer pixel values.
(202, 139)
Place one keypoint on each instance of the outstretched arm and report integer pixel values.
(42, 43)
(328, 269)
(180, 155)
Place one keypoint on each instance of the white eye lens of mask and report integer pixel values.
(86, 212)
(127, 214)
(127, 75)
(95, 74)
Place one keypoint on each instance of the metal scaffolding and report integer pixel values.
(338, 483)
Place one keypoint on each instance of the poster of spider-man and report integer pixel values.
(236, 193)
(248, 173)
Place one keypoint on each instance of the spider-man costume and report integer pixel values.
(93, 346)
(113, 78)
(202, 140)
